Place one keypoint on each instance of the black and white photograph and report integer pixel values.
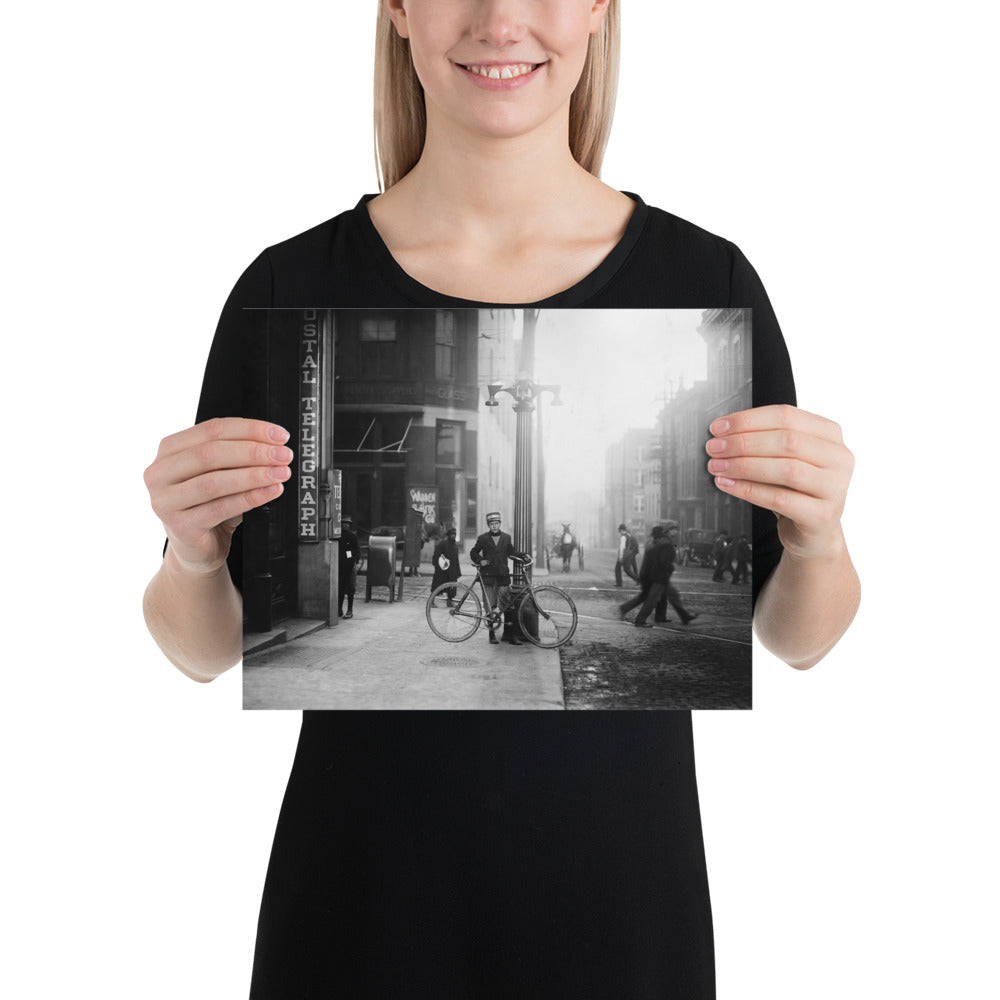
(500, 509)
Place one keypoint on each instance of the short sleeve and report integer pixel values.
(772, 383)
(229, 385)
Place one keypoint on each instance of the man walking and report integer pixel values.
(654, 576)
(490, 553)
(628, 549)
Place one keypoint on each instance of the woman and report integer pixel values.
(487, 854)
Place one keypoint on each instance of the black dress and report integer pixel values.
(492, 854)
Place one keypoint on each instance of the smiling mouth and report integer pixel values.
(506, 72)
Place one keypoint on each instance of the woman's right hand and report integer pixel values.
(205, 478)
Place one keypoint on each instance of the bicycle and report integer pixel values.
(546, 615)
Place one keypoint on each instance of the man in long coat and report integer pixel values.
(347, 561)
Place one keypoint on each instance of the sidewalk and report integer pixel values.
(386, 657)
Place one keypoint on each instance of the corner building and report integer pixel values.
(389, 416)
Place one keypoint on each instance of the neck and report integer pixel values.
(470, 182)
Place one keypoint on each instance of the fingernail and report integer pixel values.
(276, 433)
(717, 446)
(718, 465)
(281, 472)
(723, 481)
(283, 455)
(719, 426)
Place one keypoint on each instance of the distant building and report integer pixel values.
(632, 477)
(685, 483)
(728, 336)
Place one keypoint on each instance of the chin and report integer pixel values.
(505, 123)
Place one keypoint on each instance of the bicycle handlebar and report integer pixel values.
(526, 560)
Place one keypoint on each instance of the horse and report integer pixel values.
(565, 546)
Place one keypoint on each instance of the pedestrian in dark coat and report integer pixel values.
(490, 553)
(446, 568)
(347, 561)
(742, 555)
(654, 576)
(721, 554)
(645, 581)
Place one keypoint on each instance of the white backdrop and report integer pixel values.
(153, 150)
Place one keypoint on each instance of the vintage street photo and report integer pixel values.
(498, 509)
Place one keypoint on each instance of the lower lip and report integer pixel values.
(488, 83)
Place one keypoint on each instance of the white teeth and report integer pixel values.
(506, 73)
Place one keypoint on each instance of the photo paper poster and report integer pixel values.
(499, 509)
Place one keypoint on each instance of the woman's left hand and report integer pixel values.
(791, 462)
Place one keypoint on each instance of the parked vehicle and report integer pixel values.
(698, 544)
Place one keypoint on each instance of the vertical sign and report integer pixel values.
(309, 428)
(336, 502)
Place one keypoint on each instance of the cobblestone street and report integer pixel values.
(614, 665)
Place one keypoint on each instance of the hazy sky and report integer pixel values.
(615, 367)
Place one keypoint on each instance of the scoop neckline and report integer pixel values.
(586, 288)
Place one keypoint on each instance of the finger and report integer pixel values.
(215, 456)
(784, 443)
(191, 524)
(789, 473)
(781, 417)
(805, 511)
(223, 429)
(216, 485)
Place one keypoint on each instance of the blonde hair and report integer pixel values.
(401, 118)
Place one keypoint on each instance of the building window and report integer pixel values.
(378, 330)
(444, 345)
(449, 442)
(639, 503)
(380, 356)
(638, 478)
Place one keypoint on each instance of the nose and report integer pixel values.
(499, 22)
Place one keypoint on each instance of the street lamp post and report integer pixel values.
(524, 391)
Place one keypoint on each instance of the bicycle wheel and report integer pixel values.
(459, 620)
(547, 616)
